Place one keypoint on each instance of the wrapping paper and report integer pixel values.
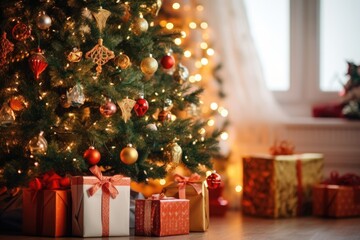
(198, 195)
(161, 217)
(47, 212)
(336, 201)
(96, 212)
(280, 186)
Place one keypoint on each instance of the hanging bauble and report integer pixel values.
(149, 65)
(139, 26)
(213, 180)
(129, 155)
(43, 21)
(37, 62)
(126, 12)
(108, 109)
(38, 144)
(5, 47)
(173, 152)
(7, 115)
(64, 101)
(17, 103)
(155, 8)
(141, 106)
(92, 155)
(122, 61)
(126, 105)
(100, 55)
(152, 127)
(181, 73)
(101, 17)
(75, 55)
(167, 61)
(164, 116)
(75, 95)
(21, 32)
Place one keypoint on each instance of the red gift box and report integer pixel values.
(47, 212)
(337, 196)
(161, 217)
(46, 208)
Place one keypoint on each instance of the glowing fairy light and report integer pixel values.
(238, 188)
(204, 25)
(211, 122)
(210, 51)
(169, 25)
(177, 41)
(203, 45)
(176, 6)
(162, 182)
(224, 136)
(192, 25)
(214, 106)
(204, 61)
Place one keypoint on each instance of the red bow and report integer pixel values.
(50, 180)
(283, 148)
(105, 183)
(193, 181)
(348, 179)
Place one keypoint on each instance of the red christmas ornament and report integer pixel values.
(92, 155)
(141, 106)
(167, 61)
(37, 63)
(21, 32)
(213, 180)
(108, 109)
(164, 116)
(5, 47)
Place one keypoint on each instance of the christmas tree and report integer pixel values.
(87, 82)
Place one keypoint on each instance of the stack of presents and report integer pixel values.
(97, 206)
(284, 184)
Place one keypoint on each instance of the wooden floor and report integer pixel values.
(236, 226)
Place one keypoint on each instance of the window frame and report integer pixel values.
(304, 78)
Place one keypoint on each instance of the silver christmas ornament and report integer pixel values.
(38, 144)
(75, 96)
(181, 73)
(43, 21)
(7, 115)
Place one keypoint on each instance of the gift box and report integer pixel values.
(47, 212)
(161, 217)
(280, 186)
(337, 197)
(100, 205)
(47, 206)
(195, 190)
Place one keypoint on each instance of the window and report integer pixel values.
(303, 46)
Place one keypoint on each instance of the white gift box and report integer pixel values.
(95, 213)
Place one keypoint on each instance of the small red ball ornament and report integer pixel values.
(213, 180)
(141, 106)
(92, 155)
(164, 116)
(167, 61)
(108, 109)
(37, 63)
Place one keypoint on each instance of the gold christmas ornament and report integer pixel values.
(7, 115)
(100, 55)
(38, 144)
(126, 105)
(101, 17)
(43, 21)
(129, 155)
(122, 61)
(75, 55)
(139, 26)
(149, 65)
(173, 152)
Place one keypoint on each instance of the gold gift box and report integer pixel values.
(280, 186)
(199, 204)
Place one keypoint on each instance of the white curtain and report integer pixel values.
(255, 116)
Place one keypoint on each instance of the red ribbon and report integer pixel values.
(50, 180)
(108, 190)
(283, 148)
(193, 181)
(348, 179)
(300, 192)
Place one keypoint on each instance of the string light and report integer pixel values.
(199, 8)
(211, 122)
(224, 136)
(169, 25)
(176, 6)
(204, 25)
(162, 182)
(203, 45)
(204, 61)
(214, 106)
(177, 41)
(210, 51)
(238, 188)
(192, 25)
(187, 53)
